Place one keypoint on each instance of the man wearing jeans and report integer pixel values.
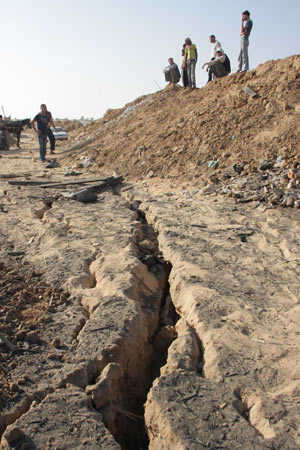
(44, 121)
(191, 57)
(247, 25)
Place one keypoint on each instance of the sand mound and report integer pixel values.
(176, 131)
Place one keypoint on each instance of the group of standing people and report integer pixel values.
(219, 64)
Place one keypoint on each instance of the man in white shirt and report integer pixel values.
(215, 46)
(220, 66)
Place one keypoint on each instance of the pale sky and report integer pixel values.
(83, 57)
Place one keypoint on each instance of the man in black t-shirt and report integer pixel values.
(247, 25)
(44, 121)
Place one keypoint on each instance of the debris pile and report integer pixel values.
(239, 120)
(272, 184)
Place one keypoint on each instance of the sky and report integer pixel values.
(84, 57)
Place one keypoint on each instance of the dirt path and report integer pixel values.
(154, 296)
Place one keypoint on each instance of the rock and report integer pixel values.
(266, 166)
(238, 168)
(20, 335)
(13, 387)
(150, 174)
(55, 342)
(84, 196)
(32, 337)
(209, 189)
(289, 202)
(14, 434)
(214, 179)
(52, 164)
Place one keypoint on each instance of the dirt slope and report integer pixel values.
(176, 131)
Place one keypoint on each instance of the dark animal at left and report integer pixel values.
(17, 126)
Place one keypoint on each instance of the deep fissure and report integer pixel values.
(129, 425)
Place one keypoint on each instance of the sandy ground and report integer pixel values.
(189, 306)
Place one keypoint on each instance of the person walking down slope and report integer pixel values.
(215, 46)
(247, 25)
(44, 121)
(220, 66)
(172, 74)
(191, 57)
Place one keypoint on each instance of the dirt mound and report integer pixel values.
(176, 131)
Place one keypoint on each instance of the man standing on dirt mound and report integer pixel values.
(44, 121)
(247, 25)
(191, 57)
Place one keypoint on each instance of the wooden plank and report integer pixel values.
(67, 183)
(28, 182)
(52, 183)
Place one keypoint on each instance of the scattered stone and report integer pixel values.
(214, 179)
(289, 202)
(71, 174)
(52, 164)
(20, 335)
(32, 337)
(209, 189)
(150, 174)
(238, 168)
(55, 342)
(84, 196)
(266, 166)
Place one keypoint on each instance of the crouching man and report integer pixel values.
(172, 74)
(220, 66)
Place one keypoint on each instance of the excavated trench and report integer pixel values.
(129, 426)
(131, 432)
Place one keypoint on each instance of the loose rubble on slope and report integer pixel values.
(176, 132)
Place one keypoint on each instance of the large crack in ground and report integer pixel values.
(134, 362)
(124, 415)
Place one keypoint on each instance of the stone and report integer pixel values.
(55, 342)
(266, 166)
(32, 337)
(20, 335)
(290, 202)
(209, 189)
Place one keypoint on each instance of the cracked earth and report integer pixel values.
(154, 318)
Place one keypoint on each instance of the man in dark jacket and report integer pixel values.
(172, 74)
